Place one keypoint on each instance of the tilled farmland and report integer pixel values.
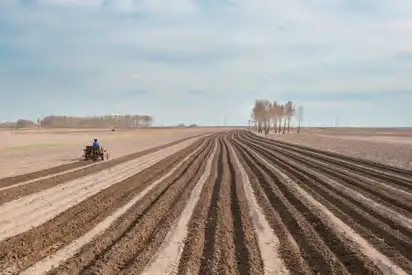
(225, 203)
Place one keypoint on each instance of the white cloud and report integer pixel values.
(156, 7)
(225, 48)
(92, 3)
(167, 7)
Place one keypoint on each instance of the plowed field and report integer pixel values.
(225, 203)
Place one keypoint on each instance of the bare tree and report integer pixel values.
(259, 114)
(290, 112)
(106, 121)
(253, 118)
(25, 123)
(281, 117)
(300, 117)
(274, 114)
(287, 114)
(266, 115)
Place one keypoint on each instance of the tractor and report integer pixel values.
(95, 153)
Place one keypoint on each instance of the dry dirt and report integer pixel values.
(24, 151)
(227, 203)
(389, 146)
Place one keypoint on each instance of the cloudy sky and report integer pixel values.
(194, 61)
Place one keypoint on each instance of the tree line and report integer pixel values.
(105, 121)
(274, 116)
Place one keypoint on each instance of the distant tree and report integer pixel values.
(271, 115)
(281, 117)
(260, 115)
(266, 116)
(105, 121)
(24, 123)
(275, 115)
(290, 112)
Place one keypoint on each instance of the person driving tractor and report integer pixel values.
(95, 151)
(96, 143)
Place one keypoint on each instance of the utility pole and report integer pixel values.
(223, 122)
(336, 121)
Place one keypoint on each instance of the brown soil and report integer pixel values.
(385, 149)
(369, 168)
(221, 237)
(379, 186)
(181, 196)
(9, 181)
(306, 196)
(388, 235)
(141, 226)
(42, 184)
(32, 245)
(289, 251)
(195, 240)
(315, 241)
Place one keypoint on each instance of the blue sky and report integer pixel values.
(193, 61)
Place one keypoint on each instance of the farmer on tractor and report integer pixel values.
(96, 143)
(95, 151)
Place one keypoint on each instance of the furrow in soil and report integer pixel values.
(368, 164)
(219, 256)
(366, 191)
(44, 240)
(20, 215)
(387, 235)
(43, 179)
(137, 230)
(247, 252)
(376, 170)
(268, 242)
(221, 237)
(225, 203)
(386, 193)
(147, 250)
(201, 219)
(353, 240)
(325, 251)
(299, 240)
(166, 259)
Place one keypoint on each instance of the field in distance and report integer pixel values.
(28, 150)
(220, 202)
(391, 146)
